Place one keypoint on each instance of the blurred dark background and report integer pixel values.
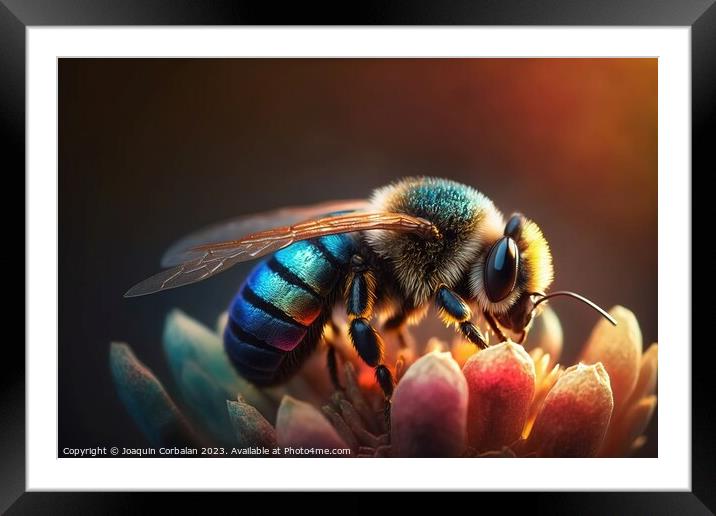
(151, 149)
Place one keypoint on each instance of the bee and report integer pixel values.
(417, 241)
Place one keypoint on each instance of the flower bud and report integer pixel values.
(575, 414)
(501, 384)
(300, 425)
(618, 348)
(429, 410)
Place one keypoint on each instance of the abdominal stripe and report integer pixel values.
(290, 277)
(326, 253)
(248, 338)
(253, 299)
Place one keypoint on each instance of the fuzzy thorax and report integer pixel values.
(465, 218)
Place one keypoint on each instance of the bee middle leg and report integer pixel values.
(360, 296)
(455, 311)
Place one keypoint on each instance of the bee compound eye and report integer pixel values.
(501, 269)
(513, 228)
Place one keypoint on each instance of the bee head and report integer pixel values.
(509, 270)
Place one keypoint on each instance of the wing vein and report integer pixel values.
(206, 260)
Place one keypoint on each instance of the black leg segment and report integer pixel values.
(360, 296)
(366, 340)
(385, 380)
(452, 305)
(493, 324)
(357, 302)
(454, 311)
(473, 334)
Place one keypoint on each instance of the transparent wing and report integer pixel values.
(206, 260)
(236, 228)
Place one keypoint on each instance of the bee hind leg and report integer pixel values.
(360, 295)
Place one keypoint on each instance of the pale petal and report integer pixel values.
(618, 348)
(545, 379)
(638, 417)
(221, 323)
(358, 400)
(575, 414)
(546, 333)
(250, 427)
(186, 341)
(461, 350)
(355, 423)
(429, 410)
(435, 344)
(207, 402)
(638, 443)
(146, 400)
(646, 384)
(341, 427)
(300, 425)
(627, 425)
(501, 385)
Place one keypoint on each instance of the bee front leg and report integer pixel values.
(495, 328)
(454, 311)
(360, 295)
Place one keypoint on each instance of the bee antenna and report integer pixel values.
(592, 304)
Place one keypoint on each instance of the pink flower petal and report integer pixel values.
(429, 410)
(300, 425)
(619, 349)
(575, 414)
(501, 384)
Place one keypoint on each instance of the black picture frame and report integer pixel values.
(700, 15)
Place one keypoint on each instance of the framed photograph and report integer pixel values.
(258, 253)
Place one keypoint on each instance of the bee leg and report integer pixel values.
(386, 382)
(473, 334)
(495, 328)
(454, 311)
(360, 295)
(369, 345)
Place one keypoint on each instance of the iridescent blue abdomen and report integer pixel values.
(277, 317)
